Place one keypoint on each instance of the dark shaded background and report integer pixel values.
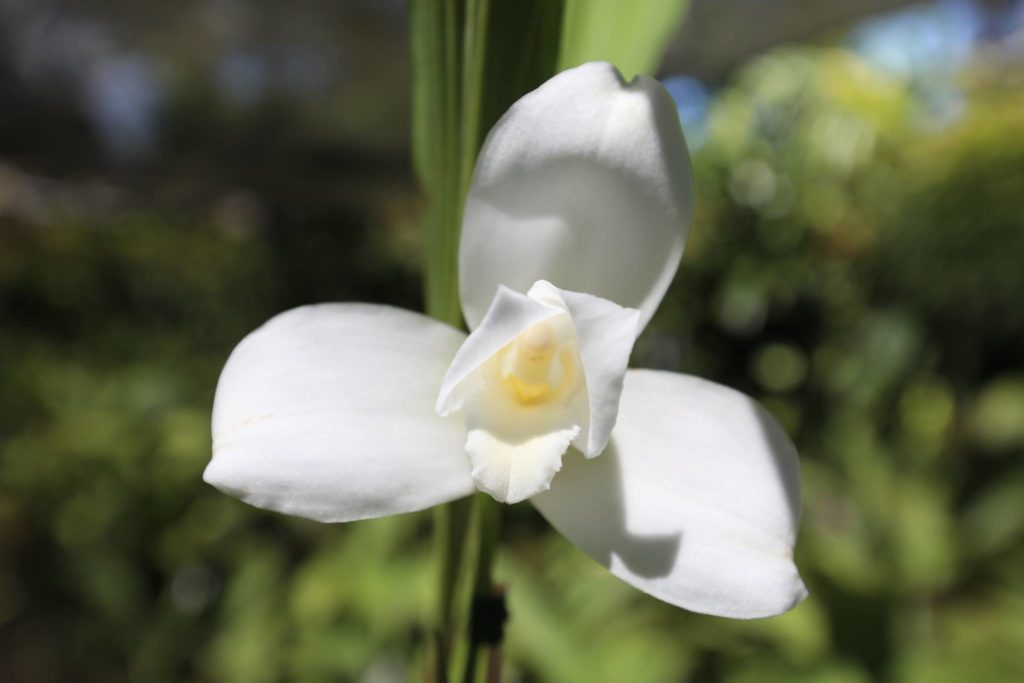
(171, 175)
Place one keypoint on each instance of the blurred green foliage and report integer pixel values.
(854, 267)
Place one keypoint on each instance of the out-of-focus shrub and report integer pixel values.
(853, 266)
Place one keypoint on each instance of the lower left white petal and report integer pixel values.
(327, 412)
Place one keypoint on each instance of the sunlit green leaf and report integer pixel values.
(630, 35)
(471, 60)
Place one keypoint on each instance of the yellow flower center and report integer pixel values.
(538, 366)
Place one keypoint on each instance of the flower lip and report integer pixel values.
(542, 372)
(510, 315)
(520, 372)
(605, 333)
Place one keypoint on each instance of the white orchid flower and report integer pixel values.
(573, 228)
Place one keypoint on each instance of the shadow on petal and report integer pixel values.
(784, 459)
(593, 494)
(695, 502)
(647, 555)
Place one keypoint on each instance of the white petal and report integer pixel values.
(606, 332)
(585, 182)
(696, 501)
(327, 412)
(509, 315)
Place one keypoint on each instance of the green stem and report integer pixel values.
(451, 523)
(474, 63)
(488, 531)
(488, 513)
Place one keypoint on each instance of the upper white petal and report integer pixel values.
(606, 332)
(584, 182)
(696, 500)
(327, 412)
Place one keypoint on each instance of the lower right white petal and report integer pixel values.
(327, 412)
(696, 501)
